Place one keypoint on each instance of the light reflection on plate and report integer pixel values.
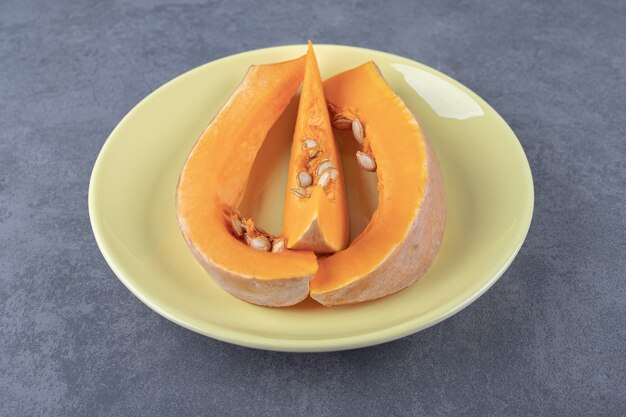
(443, 97)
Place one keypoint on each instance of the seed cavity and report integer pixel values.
(256, 238)
(366, 161)
(357, 131)
(316, 167)
(304, 179)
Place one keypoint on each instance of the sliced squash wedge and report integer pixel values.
(213, 182)
(316, 212)
(403, 237)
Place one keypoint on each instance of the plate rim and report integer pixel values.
(361, 340)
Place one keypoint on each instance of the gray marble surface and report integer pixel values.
(548, 339)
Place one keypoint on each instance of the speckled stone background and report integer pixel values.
(548, 339)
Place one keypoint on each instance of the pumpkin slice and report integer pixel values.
(316, 213)
(403, 237)
(213, 182)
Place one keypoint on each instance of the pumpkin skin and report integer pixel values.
(319, 222)
(403, 237)
(213, 182)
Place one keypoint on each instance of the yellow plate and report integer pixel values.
(131, 204)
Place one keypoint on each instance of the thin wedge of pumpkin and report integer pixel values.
(213, 182)
(403, 237)
(316, 213)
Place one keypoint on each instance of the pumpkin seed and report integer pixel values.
(309, 143)
(260, 243)
(357, 131)
(278, 245)
(236, 225)
(324, 179)
(341, 122)
(366, 161)
(304, 179)
(311, 147)
(334, 173)
(323, 166)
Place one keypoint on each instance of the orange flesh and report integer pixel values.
(216, 173)
(319, 223)
(394, 138)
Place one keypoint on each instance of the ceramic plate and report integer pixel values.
(489, 194)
